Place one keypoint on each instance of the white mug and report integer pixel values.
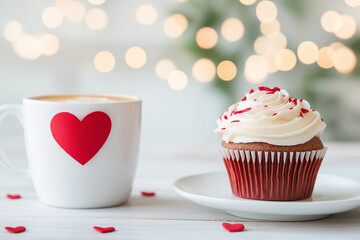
(80, 154)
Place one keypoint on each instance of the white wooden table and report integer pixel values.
(168, 216)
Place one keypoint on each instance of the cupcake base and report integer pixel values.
(272, 176)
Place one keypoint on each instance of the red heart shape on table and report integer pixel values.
(10, 196)
(147, 194)
(18, 229)
(236, 227)
(104, 230)
(81, 139)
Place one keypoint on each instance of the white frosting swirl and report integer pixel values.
(270, 116)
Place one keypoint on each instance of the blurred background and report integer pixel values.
(187, 59)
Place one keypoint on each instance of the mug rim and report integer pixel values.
(134, 99)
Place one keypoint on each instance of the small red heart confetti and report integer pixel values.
(104, 230)
(18, 229)
(10, 196)
(236, 227)
(148, 194)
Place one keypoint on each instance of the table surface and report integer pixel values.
(167, 215)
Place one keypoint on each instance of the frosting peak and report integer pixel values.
(270, 115)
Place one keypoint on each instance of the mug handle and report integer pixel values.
(5, 110)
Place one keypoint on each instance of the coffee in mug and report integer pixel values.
(83, 98)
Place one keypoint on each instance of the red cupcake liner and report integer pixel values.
(272, 176)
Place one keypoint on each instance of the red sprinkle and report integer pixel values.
(291, 108)
(149, 194)
(251, 91)
(301, 100)
(242, 111)
(303, 110)
(103, 230)
(223, 128)
(10, 196)
(322, 119)
(255, 99)
(274, 114)
(275, 89)
(313, 110)
(294, 101)
(225, 117)
(301, 114)
(235, 121)
(18, 229)
(266, 106)
(236, 227)
(244, 98)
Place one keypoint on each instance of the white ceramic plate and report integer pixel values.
(332, 194)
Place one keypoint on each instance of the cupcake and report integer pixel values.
(271, 146)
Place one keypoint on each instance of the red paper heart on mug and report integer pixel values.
(81, 139)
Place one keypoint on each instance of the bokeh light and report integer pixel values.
(12, 31)
(267, 28)
(270, 61)
(164, 67)
(308, 52)
(65, 6)
(204, 70)
(261, 45)
(146, 14)
(175, 25)
(347, 29)
(96, 19)
(353, 3)
(266, 11)
(52, 17)
(247, 2)
(226, 70)
(49, 44)
(27, 47)
(206, 37)
(334, 46)
(344, 59)
(76, 13)
(135, 57)
(104, 61)
(270, 44)
(96, 2)
(285, 59)
(256, 69)
(331, 21)
(177, 80)
(324, 59)
(232, 29)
